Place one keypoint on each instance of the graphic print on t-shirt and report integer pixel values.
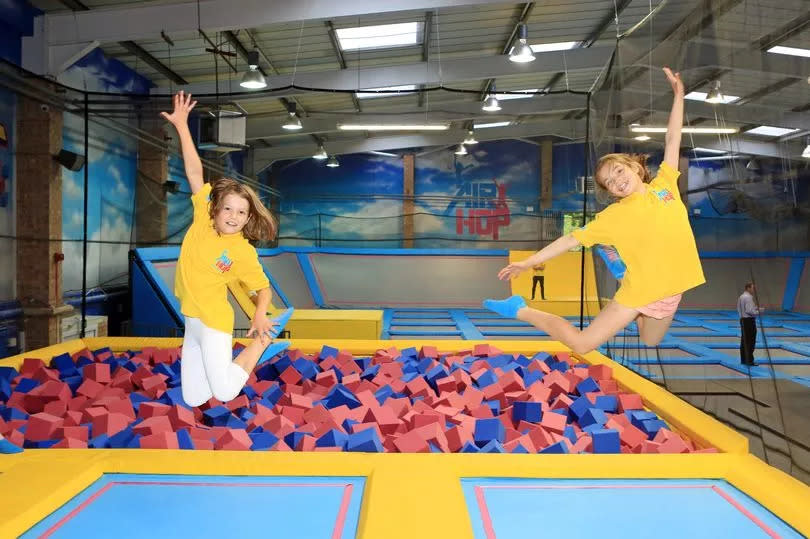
(665, 195)
(223, 263)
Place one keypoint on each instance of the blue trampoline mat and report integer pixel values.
(670, 508)
(153, 506)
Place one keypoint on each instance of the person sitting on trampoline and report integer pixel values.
(649, 227)
(216, 251)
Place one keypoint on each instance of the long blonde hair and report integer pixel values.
(260, 226)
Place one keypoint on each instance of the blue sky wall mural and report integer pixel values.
(7, 216)
(112, 169)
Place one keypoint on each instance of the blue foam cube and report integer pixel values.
(370, 372)
(99, 442)
(5, 389)
(63, 363)
(8, 373)
(559, 447)
(486, 379)
(493, 446)
(410, 352)
(594, 416)
(608, 403)
(26, 384)
(216, 416)
(580, 406)
(333, 438)
(306, 368)
(184, 440)
(569, 433)
(469, 447)
(652, 426)
(588, 385)
(606, 441)
(527, 411)
(519, 449)
(365, 441)
(262, 441)
(328, 351)
(294, 438)
(383, 394)
(340, 395)
(121, 438)
(487, 430)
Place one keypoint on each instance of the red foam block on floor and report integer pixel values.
(70, 443)
(109, 424)
(98, 372)
(153, 409)
(153, 425)
(234, 440)
(630, 401)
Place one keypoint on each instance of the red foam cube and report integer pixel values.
(90, 389)
(160, 440)
(152, 409)
(553, 422)
(79, 432)
(630, 401)
(234, 440)
(98, 372)
(70, 443)
(153, 425)
(42, 427)
(109, 424)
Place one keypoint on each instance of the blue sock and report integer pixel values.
(282, 320)
(273, 350)
(505, 307)
(7, 447)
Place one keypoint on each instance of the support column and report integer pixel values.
(39, 222)
(407, 200)
(546, 162)
(151, 201)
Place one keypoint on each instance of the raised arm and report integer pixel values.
(672, 145)
(557, 247)
(179, 119)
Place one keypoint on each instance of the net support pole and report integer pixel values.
(584, 209)
(84, 224)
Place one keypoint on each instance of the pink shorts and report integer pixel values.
(662, 308)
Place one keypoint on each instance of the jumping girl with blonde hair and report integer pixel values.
(216, 250)
(649, 227)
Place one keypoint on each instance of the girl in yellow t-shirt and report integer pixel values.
(216, 251)
(649, 227)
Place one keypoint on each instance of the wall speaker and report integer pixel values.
(69, 160)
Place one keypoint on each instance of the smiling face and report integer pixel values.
(232, 215)
(620, 179)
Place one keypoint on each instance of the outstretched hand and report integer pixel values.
(675, 81)
(183, 105)
(263, 328)
(511, 271)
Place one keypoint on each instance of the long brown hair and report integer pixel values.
(260, 226)
(637, 161)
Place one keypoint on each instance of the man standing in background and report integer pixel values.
(539, 278)
(748, 311)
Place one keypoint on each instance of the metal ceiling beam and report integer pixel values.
(333, 38)
(427, 29)
(427, 73)
(134, 49)
(147, 20)
(562, 129)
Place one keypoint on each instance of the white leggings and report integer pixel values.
(206, 367)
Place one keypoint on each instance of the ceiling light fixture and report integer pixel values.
(643, 138)
(321, 153)
(491, 103)
(470, 138)
(253, 78)
(522, 52)
(333, 162)
(686, 129)
(393, 127)
(461, 150)
(293, 123)
(715, 96)
(806, 152)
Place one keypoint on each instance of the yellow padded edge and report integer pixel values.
(785, 496)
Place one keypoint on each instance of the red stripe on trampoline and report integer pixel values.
(746, 512)
(490, 531)
(336, 532)
(486, 520)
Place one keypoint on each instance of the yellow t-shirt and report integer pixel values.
(539, 271)
(651, 232)
(208, 262)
